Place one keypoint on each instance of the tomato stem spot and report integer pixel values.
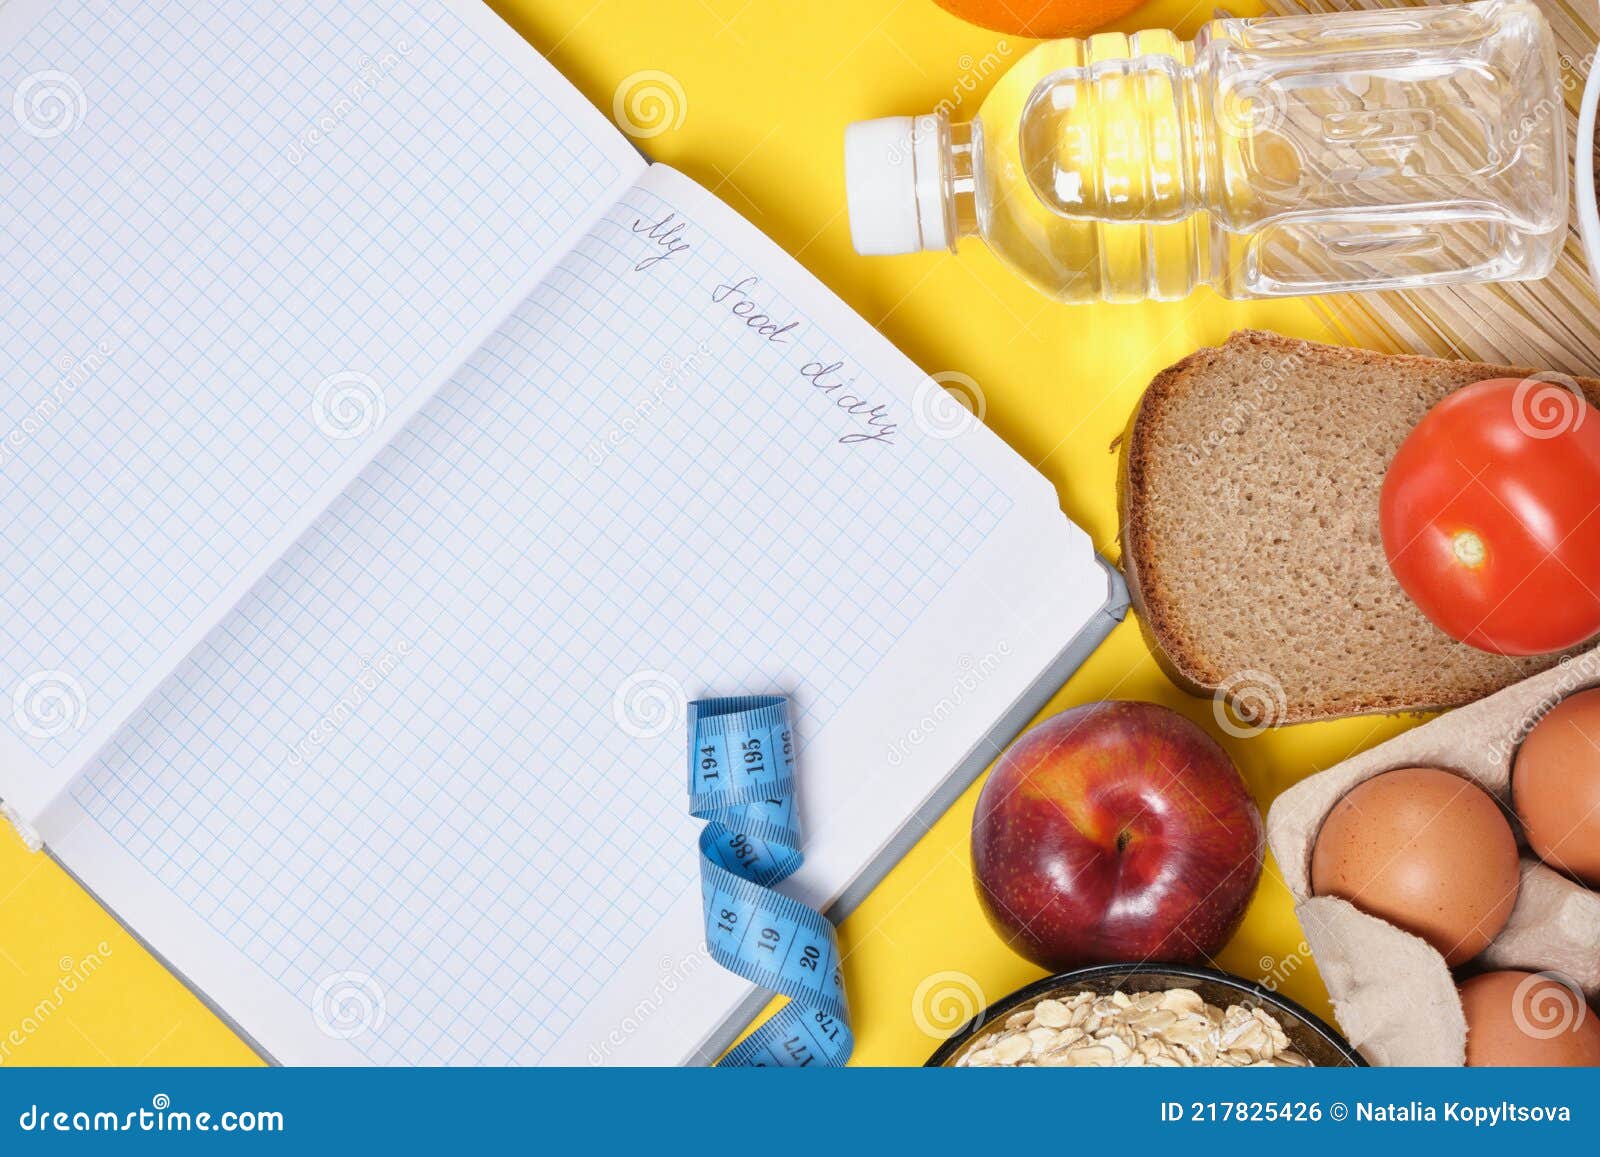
(1469, 549)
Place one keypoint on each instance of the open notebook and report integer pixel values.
(388, 452)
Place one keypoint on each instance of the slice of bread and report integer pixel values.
(1249, 501)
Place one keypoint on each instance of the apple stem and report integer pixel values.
(1124, 838)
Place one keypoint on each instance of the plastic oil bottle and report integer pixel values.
(1291, 155)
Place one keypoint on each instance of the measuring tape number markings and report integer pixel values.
(741, 782)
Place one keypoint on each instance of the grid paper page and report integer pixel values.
(434, 763)
(238, 236)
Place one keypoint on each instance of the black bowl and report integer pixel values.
(1311, 1037)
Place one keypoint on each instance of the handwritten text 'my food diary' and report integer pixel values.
(829, 378)
(749, 305)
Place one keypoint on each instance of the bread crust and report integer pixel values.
(1151, 612)
(1161, 615)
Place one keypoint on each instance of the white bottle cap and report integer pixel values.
(894, 184)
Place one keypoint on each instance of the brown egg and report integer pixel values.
(1426, 850)
(1555, 785)
(1526, 1019)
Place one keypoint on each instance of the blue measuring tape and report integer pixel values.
(741, 782)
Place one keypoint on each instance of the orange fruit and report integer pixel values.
(1042, 19)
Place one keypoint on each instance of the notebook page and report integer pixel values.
(243, 242)
(421, 799)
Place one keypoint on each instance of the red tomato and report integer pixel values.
(1491, 516)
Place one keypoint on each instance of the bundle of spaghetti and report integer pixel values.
(1550, 324)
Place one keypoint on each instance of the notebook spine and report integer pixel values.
(25, 831)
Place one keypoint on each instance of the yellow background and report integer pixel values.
(768, 89)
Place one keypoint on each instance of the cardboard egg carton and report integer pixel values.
(1392, 993)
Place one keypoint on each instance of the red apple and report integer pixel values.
(1115, 832)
